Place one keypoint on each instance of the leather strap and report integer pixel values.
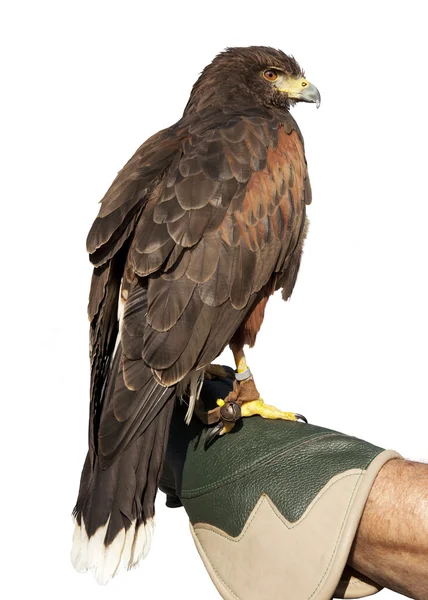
(207, 417)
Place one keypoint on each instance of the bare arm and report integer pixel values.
(391, 545)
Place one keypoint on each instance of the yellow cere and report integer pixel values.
(291, 85)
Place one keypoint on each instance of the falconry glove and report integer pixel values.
(274, 506)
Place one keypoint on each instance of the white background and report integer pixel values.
(84, 83)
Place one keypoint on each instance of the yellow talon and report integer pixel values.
(258, 407)
(220, 402)
(227, 427)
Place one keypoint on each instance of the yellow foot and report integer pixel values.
(258, 407)
(231, 412)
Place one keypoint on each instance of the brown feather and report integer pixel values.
(196, 231)
(204, 258)
(254, 322)
(100, 277)
(167, 301)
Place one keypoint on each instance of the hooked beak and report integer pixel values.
(310, 94)
(299, 89)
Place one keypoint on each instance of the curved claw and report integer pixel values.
(213, 434)
(301, 418)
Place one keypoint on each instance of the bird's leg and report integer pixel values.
(241, 362)
(249, 398)
(245, 401)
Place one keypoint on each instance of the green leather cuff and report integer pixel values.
(273, 505)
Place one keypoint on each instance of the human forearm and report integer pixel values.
(391, 545)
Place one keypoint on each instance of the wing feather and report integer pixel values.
(212, 212)
(168, 302)
(241, 186)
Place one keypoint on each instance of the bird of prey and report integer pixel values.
(199, 228)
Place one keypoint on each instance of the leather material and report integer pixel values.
(289, 461)
(275, 559)
(354, 585)
(291, 465)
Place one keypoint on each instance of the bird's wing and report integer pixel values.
(226, 217)
(128, 193)
(108, 244)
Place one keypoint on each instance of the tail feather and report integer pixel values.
(115, 508)
(128, 437)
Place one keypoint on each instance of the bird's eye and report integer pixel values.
(270, 75)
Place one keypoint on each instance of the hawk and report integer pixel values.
(199, 228)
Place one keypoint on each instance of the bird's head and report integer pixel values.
(257, 75)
